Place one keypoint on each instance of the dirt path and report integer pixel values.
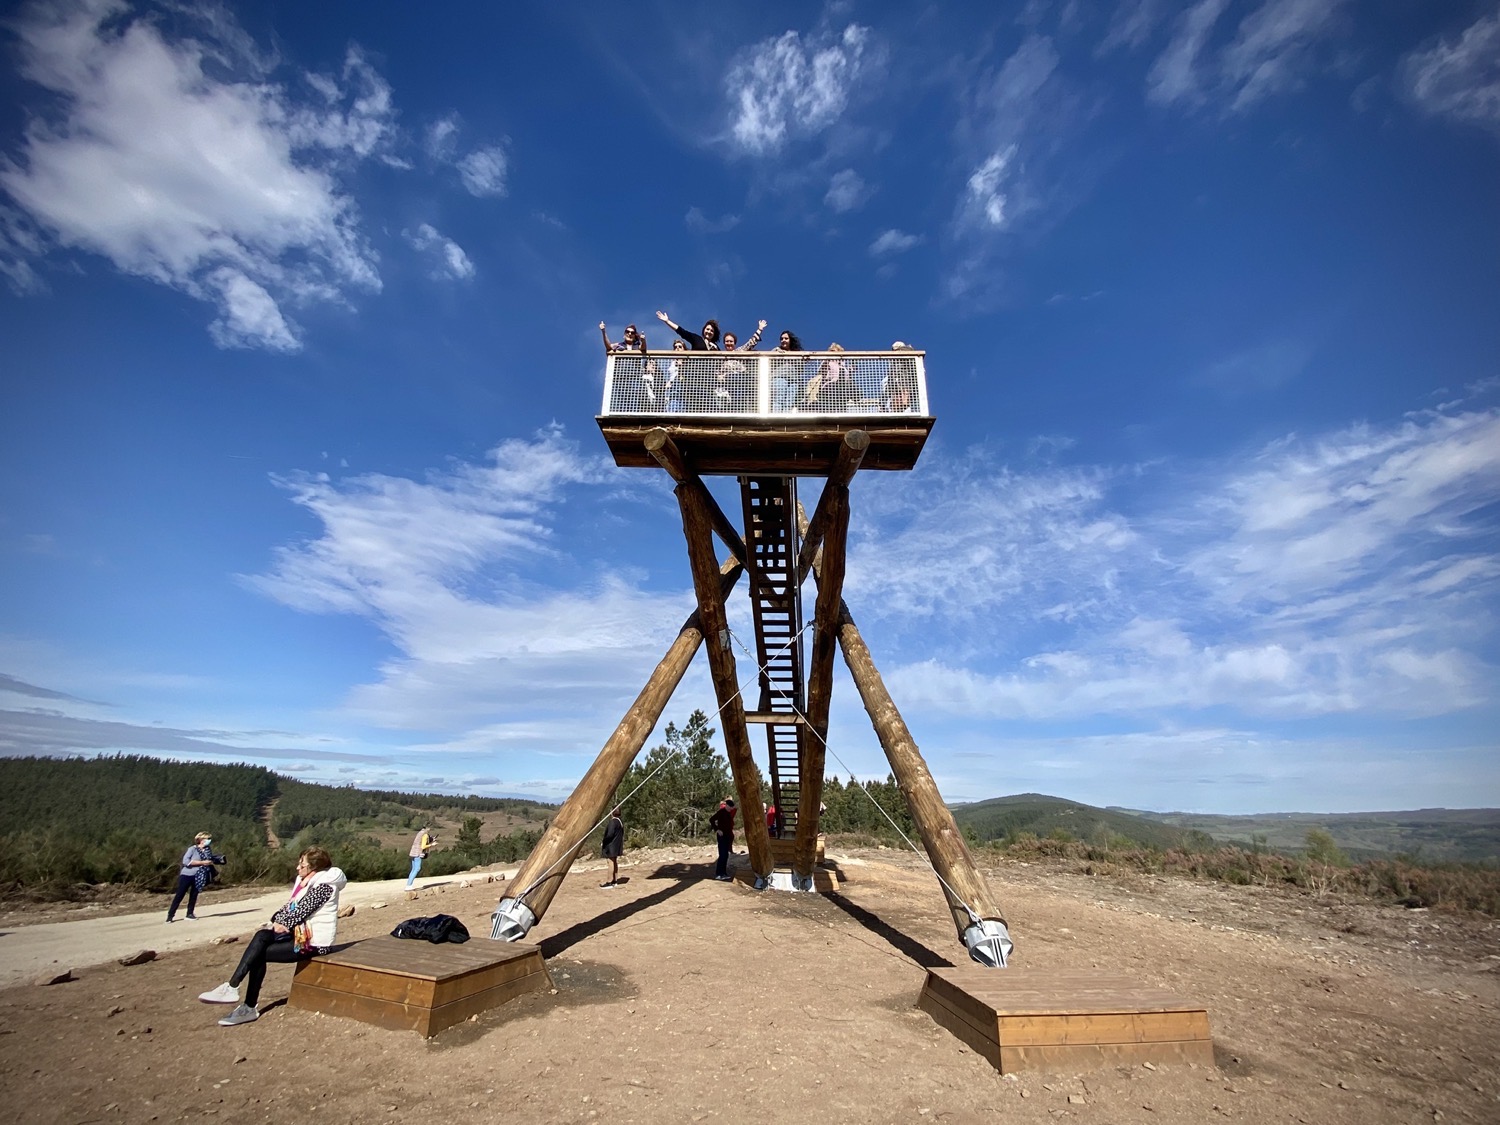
(27, 952)
(266, 815)
(678, 998)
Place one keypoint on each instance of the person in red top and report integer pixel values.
(723, 826)
(774, 821)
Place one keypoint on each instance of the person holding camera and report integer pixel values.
(194, 874)
(421, 844)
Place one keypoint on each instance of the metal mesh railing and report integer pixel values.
(766, 383)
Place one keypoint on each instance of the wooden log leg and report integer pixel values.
(940, 835)
(542, 874)
(697, 528)
(814, 742)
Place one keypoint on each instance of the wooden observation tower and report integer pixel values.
(768, 419)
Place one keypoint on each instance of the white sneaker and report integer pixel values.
(226, 993)
(243, 1014)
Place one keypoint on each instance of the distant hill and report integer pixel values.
(1432, 835)
(1002, 817)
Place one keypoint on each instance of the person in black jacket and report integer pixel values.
(722, 823)
(705, 341)
(614, 846)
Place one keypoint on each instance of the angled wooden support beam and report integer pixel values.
(660, 445)
(851, 453)
(943, 841)
(813, 743)
(542, 874)
(941, 838)
(696, 528)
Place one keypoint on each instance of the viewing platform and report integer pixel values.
(766, 413)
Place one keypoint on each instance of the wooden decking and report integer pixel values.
(1028, 1019)
(415, 985)
(803, 446)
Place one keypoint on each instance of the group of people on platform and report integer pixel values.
(727, 386)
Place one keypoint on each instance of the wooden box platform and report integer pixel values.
(1028, 1019)
(783, 847)
(415, 985)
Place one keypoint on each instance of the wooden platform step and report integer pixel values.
(1032, 1019)
(414, 985)
(783, 848)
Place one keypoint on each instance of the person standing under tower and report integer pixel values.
(614, 847)
(723, 826)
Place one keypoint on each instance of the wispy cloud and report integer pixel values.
(889, 242)
(1460, 79)
(699, 223)
(49, 734)
(455, 570)
(846, 192)
(1016, 119)
(1347, 573)
(1273, 50)
(223, 188)
(449, 262)
(483, 171)
(790, 86)
(1263, 367)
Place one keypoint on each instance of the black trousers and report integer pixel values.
(725, 843)
(265, 946)
(186, 885)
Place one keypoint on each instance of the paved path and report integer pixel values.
(26, 952)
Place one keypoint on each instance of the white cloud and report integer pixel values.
(1174, 76)
(893, 242)
(985, 202)
(846, 191)
(442, 138)
(789, 87)
(1027, 108)
(1274, 47)
(450, 263)
(1460, 79)
(699, 223)
(459, 572)
(1348, 574)
(483, 171)
(222, 188)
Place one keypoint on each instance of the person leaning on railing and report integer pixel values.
(898, 390)
(635, 379)
(833, 386)
(736, 384)
(677, 387)
(786, 374)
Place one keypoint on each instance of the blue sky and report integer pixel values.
(298, 462)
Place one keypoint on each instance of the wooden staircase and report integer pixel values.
(770, 507)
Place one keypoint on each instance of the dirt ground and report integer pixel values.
(678, 998)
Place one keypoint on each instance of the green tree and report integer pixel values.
(688, 779)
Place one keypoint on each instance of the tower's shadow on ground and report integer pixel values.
(910, 947)
(557, 943)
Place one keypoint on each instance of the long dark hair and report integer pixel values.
(718, 332)
(793, 344)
